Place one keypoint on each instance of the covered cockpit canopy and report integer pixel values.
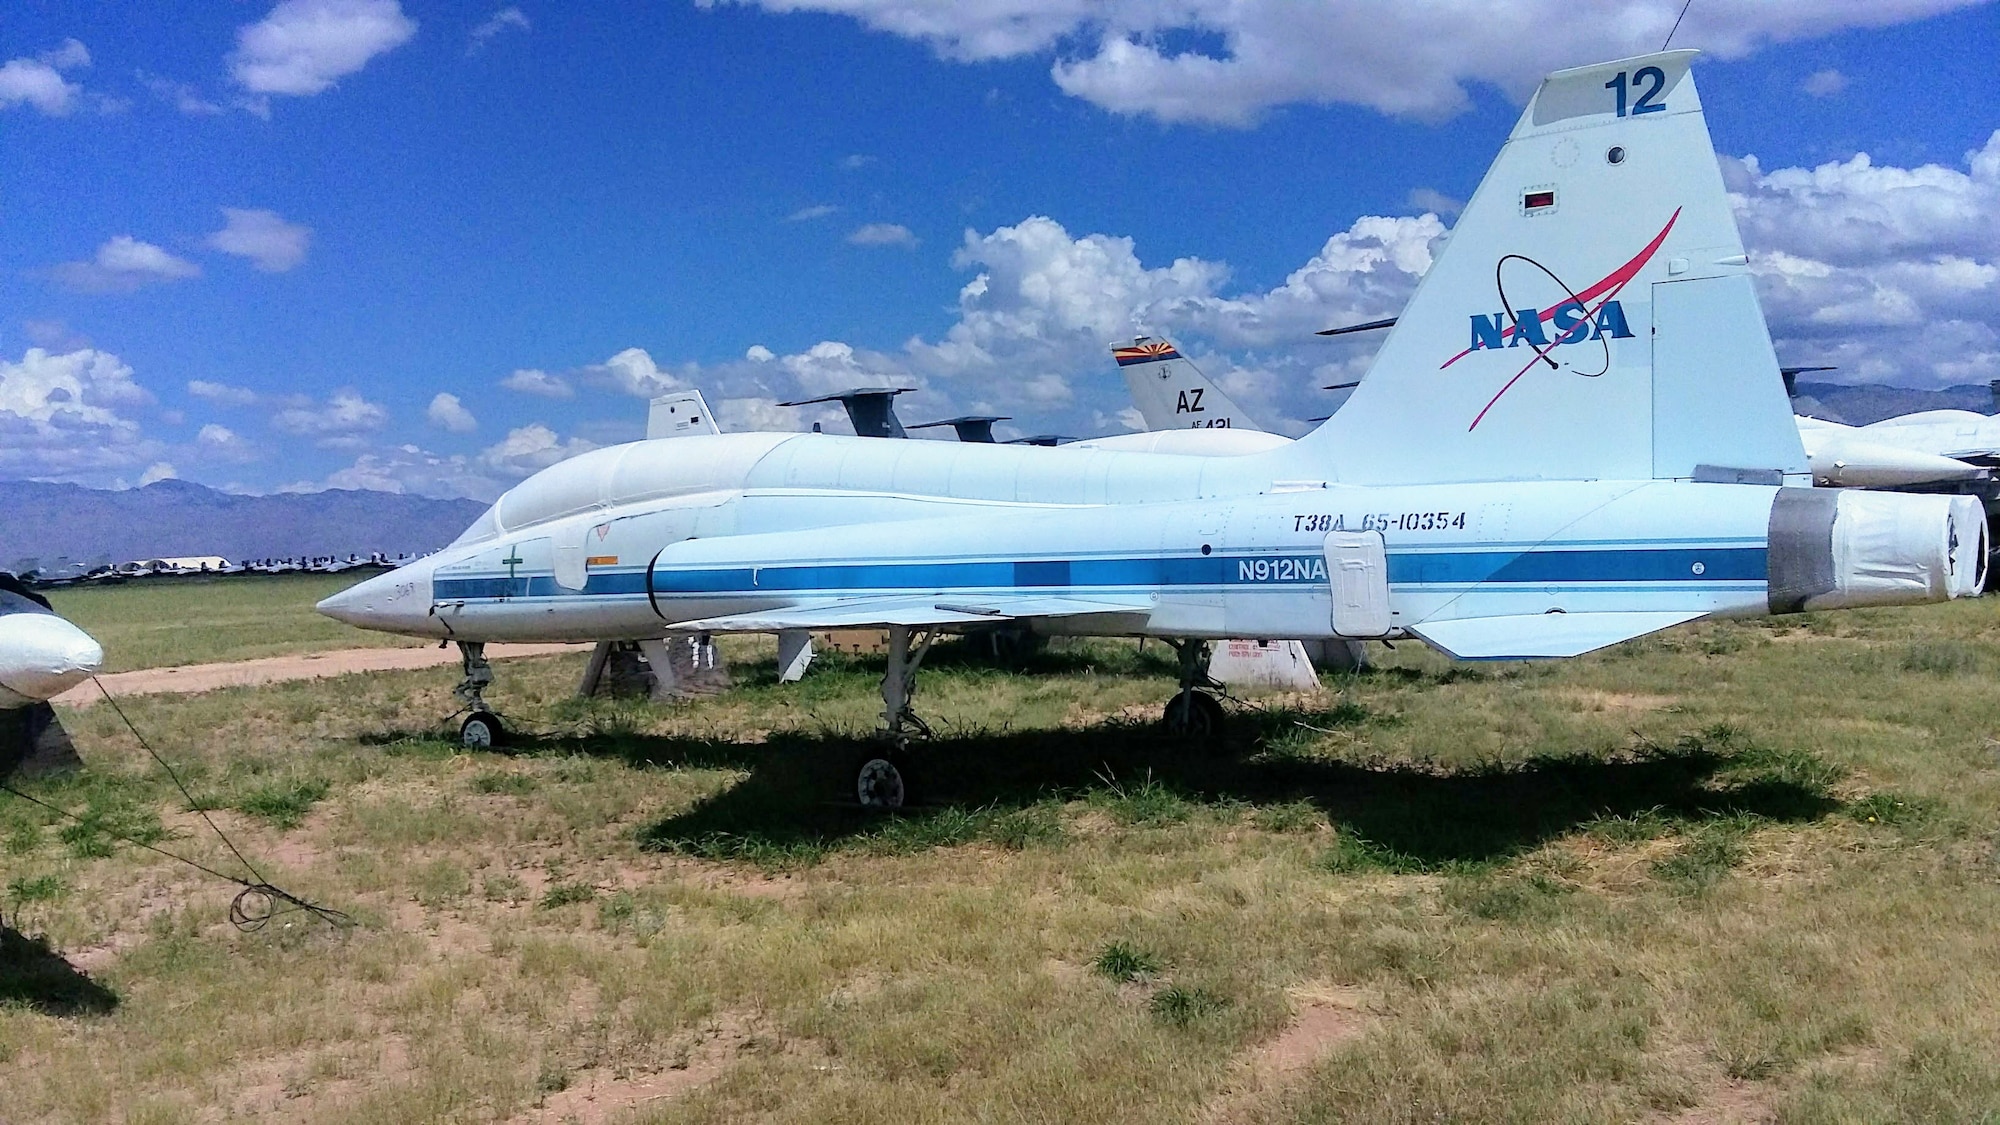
(624, 474)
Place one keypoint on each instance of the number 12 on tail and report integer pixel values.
(1637, 84)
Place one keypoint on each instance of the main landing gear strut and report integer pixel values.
(481, 729)
(1194, 712)
(882, 779)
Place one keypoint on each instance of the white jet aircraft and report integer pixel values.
(41, 656)
(1887, 455)
(1575, 435)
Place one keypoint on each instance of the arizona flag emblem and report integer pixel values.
(1144, 353)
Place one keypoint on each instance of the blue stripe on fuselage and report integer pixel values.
(1282, 568)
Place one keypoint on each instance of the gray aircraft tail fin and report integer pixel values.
(1171, 393)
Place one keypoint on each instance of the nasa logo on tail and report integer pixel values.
(1590, 314)
(1571, 323)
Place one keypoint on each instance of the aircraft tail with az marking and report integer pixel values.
(1171, 393)
(1591, 317)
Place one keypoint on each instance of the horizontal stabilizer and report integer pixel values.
(1538, 636)
(861, 612)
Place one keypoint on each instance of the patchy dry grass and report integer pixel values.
(163, 622)
(1735, 872)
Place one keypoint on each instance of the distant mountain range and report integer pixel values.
(1863, 403)
(177, 518)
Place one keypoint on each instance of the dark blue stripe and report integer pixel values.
(1735, 564)
(1458, 568)
(535, 586)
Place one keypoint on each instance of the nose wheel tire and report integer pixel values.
(481, 730)
(881, 782)
(1193, 714)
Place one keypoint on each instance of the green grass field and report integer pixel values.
(161, 622)
(1736, 872)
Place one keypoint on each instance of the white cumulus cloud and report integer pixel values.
(122, 264)
(222, 394)
(634, 372)
(1247, 56)
(1824, 83)
(493, 25)
(447, 413)
(304, 46)
(883, 234)
(39, 81)
(1890, 273)
(224, 444)
(530, 449)
(264, 237)
(531, 381)
(62, 414)
(338, 423)
(483, 476)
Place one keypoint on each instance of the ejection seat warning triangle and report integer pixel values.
(1357, 564)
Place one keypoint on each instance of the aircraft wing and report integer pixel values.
(916, 611)
(1538, 636)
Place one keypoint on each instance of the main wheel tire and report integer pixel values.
(1193, 714)
(481, 730)
(881, 781)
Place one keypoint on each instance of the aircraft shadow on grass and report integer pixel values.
(36, 977)
(1417, 817)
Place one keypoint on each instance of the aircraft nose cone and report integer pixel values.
(42, 656)
(346, 606)
(396, 602)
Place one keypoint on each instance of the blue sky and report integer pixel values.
(428, 247)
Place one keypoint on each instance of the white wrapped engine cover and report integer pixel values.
(1892, 548)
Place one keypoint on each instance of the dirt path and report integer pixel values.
(308, 666)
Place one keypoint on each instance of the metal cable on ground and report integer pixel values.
(259, 901)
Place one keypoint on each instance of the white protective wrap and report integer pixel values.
(1893, 548)
(41, 656)
(1968, 516)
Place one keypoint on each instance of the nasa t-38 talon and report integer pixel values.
(1555, 478)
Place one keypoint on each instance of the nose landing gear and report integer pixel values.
(482, 729)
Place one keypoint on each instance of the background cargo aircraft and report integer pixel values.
(1608, 455)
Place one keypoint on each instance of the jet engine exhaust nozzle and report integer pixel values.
(1839, 548)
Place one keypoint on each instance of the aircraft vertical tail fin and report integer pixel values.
(1171, 393)
(1591, 315)
(680, 414)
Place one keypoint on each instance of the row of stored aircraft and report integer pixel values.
(1609, 454)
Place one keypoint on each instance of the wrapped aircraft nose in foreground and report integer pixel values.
(41, 656)
(1575, 434)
